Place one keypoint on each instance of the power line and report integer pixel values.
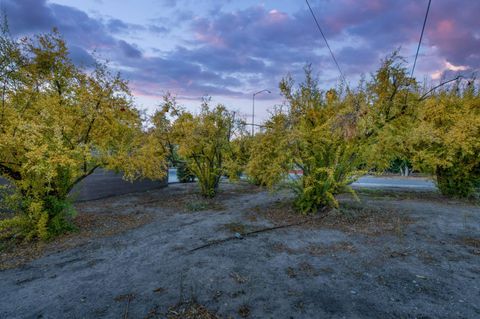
(326, 42)
(421, 37)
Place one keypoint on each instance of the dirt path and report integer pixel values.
(383, 258)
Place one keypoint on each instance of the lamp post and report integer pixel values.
(253, 108)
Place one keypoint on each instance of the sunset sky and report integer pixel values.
(230, 49)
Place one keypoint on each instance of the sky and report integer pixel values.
(230, 49)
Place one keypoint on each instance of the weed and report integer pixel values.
(244, 311)
(190, 310)
(236, 228)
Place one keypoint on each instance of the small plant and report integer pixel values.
(197, 206)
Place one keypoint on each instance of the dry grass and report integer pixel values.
(367, 220)
(350, 218)
(90, 226)
(235, 228)
(190, 310)
(244, 311)
(472, 242)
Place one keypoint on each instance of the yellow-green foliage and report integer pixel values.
(203, 140)
(317, 134)
(446, 139)
(58, 123)
(388, 109)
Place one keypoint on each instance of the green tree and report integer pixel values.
(203, 141)
(446, 139)
(317, 133)
(59, 123)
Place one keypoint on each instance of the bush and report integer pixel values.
(36, 218)
(455, 182)
(184, 175)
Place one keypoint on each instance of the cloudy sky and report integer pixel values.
(230, 49)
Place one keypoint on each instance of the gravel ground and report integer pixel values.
(385, 257)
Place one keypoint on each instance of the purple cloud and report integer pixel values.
(206, 48)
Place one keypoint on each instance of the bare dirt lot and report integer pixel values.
(169, 254)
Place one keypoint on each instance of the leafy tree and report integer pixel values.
(447, 139)
(388, 114)
(317, 134)
(203, 141)
(58, 123)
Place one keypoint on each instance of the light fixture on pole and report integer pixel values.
(253, 108)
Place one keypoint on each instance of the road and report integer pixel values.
(368, 181)
(106, 183)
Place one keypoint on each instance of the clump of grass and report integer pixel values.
(367, 220)
(196, 206)
(244, 311)
(190, 310)
(236, 228)
(473, 242)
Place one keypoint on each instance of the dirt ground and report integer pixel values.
(169, 254)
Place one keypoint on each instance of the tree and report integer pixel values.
(58, 123)
(388, 115)
(317, 134)
(447, 139)
(203, 141)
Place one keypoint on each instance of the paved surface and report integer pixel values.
(368, 181)
(395, 182)
(104, 183)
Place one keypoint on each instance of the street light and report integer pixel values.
(253, 108)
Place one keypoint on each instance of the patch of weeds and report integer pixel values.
(307, 269)
(303, 268)
(283, 212)
(367, 220)
(125, 297)
(398, 254)
(235, 228)
(196, 206)
(402, 194)
(153, 313)
(291, 272)
(190, 310)
(238, 278)
(244, 311)
(159, 290)
(472, 242)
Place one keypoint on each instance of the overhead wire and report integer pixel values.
(326, 42)
(421, 37)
